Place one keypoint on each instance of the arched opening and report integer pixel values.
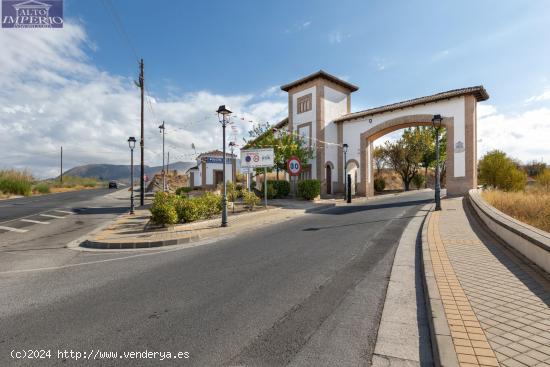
(352, 168)
(328, 178)
(366, 185)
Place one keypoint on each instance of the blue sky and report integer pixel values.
(202, 53)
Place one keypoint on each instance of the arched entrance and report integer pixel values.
(352, 169)
(328, 178)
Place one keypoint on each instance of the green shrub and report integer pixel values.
(418, 180)
(501, 172)
(250, 199)
(379, 184)
(232, 192)
(181, 191)
(15, 182)
(42, 188)
(211, 204)
(282, 188)
(189, 210)
(309, 189)
(163, 209)
(543, 179)
(271, 191)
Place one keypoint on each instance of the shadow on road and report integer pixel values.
(359, 208)
(112, 210)
(359, 223)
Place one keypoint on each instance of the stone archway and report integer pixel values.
(454, 185)
(352, 168)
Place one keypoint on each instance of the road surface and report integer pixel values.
(305, 292)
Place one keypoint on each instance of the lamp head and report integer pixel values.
(132, 142)
(345, 148)
(436, 121)
(223, 111)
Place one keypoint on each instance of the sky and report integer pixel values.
(74, 86)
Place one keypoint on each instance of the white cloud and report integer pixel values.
(51, 95)
(521, 135)
(544, 96)
(337, 37)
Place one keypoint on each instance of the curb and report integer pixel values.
(443, 349)
(138, 245)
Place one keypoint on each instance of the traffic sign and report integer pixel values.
(257, 158)
(294, 166)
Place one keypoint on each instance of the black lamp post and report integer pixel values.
(345, 150)
(162, 129)
(132, 145)
(223, 117)
(436, 122)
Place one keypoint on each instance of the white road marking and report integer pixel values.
(34, 221)
(63, 211)
(51, 216)
(11, 229)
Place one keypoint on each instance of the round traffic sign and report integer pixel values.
(294, 166)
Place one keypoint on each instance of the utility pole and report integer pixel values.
(163, 130)
(61, 176)
(168, 163)
(142, 139)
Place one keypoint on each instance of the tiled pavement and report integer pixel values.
(496, 306)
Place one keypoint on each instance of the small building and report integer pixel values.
(208, 172)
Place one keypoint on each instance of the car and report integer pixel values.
(113, 185)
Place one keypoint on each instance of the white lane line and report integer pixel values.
(11, 229)
(63, 211)
(51, 216)
(34, 221)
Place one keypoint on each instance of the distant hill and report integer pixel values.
(121, 172)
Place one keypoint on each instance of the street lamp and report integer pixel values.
(345, 150)
(162, 129)
(223, 117)
(132, 145)
(436, 122)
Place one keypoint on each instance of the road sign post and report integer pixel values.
(294, 167)
(252, 159)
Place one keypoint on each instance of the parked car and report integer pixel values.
(113, 185)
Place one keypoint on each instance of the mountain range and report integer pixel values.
(122, 172)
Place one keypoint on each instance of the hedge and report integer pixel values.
(379, 184)
(281, 187)
(309, 189)
(171, 209)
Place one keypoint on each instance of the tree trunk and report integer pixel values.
(407, 185)
(426, 177)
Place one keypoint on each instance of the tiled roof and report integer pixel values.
(478, 92)
(320, 74)
(215, 153)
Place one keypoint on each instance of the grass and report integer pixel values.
(14, 182)
(75, 182)
(531, 206)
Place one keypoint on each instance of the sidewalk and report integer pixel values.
(497, 307)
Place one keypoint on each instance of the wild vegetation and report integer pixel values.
(498, 171)
(13, 182)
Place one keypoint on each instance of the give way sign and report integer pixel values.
(294, 166)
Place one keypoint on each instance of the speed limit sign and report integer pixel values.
(294, 166)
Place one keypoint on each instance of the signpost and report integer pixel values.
(258, 158)
(294, 167)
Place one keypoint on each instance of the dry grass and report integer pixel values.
(531, 207)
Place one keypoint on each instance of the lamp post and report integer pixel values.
(132, 145)
(162, 129)
(345, 150)
(223, 117)
(436, 122)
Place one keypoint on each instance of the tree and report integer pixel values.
(379, 159)
(543, 179)
(534, 168)
(405, 155)
(501, 172)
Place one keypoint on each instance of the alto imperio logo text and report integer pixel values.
(32, 14)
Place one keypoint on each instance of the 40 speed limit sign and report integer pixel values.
(294, 166)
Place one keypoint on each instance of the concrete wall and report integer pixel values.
(335, 105)
(306, 117)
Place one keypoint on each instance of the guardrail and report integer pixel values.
(531, 242)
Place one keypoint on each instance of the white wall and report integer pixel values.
(449, 108)
(336, 105)
(210, 168)
(309, 116)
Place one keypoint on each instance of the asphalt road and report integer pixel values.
(305, 292)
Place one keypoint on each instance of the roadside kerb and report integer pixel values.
(443, 350)
(529, 241)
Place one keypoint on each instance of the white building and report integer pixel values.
(208, 172)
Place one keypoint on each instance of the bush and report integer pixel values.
(15, 182)
(379, 184)
(163, 209)
(271, 191)
(501, 172)
(189, 210)
(282, 188)
(210, 203)
(183, 190)
(250, 199)
(42, 188)
(418, 180)
(309, 189)
(232, 192)
(543, 179)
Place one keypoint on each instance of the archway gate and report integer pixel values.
(319, 111)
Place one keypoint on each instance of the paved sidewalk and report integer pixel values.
(496, 306)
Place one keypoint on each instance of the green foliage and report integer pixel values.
(15, 182)
(379, 184)
(281, 187)
(543, 179)
(183, 191)
(42, 188)
(534, 168)
(211, 204)
(75, 181)
(418, 180)
(250, 199)
(188, 210)
(271, 191)
(309, 189)
(163, 209)
(379, 158)
(501, 172)
(232, 192)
